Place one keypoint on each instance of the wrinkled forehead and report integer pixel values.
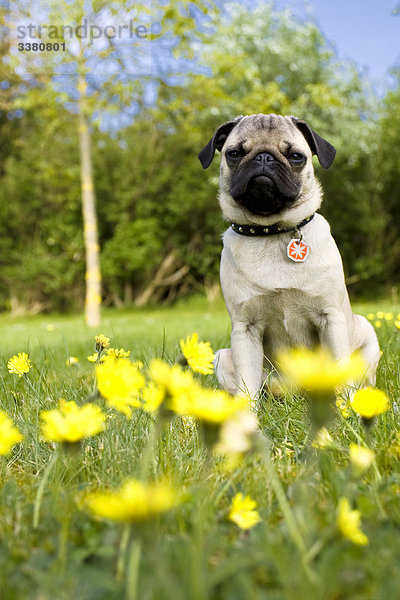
(266, 129)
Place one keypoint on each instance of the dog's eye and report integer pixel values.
(233, 154)
(296, 156)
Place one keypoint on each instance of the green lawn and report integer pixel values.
(143, 331)
(50, 548)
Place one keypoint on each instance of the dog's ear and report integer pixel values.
(324, 150)
(206, 155)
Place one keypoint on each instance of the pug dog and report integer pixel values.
(281, 272)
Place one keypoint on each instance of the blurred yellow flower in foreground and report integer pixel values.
(370, 402)
(237, 433)
(71, 423)
(9, 435)
(243, 512)
(183, 395)
(207, 405)
(173, 380)
(199, 355)
(361, 457)
(19, 364)
(348, 522)
(72, 361)
(323, 439)
(134, 501)
(316, 371)
(152, 396)
(119, 382)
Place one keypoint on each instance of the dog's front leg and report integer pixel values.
(247, 357)
(334, 334)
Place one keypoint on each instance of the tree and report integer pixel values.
(386, 176)
(96, 75)
(265, 61)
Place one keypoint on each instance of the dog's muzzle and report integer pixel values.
(265, 186)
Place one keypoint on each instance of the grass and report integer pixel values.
(51, 548)
(146, 331)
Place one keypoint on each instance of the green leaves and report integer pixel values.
(152, 196)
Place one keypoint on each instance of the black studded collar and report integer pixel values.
(261, 230)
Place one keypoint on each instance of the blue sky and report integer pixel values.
(362, 30)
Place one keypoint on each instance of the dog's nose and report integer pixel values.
(264, 157)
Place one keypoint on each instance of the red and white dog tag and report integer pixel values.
(297, 250)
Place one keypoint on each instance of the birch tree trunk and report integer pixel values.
(93, 277)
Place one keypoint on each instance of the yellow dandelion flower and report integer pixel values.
(348, 522)
(361, 457)
(199, 355)
(378, 324)
(317, 371)
(230, 462)
(172, 379)
(370, 402)
(397, 324)
(72, 360)
(323, 439)
(236, 433)
(19, 364)
(9, 435)
(71, 423)
(119, 382)
(243, 512)
(96, 357)
(343, 407)
(210, 406)
(371, 316)
(134, 501)
(102, 341)
(388, 316)
(380, 314)
(118, 352)
(153, 396)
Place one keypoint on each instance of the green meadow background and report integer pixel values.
(50, 547)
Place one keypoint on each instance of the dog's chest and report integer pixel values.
(262, 285)
(253, 266)
(287, 317)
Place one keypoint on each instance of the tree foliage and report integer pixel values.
(386, 170)
(159, 221)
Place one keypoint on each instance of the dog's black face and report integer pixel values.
(265, 182)
(266, 164)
